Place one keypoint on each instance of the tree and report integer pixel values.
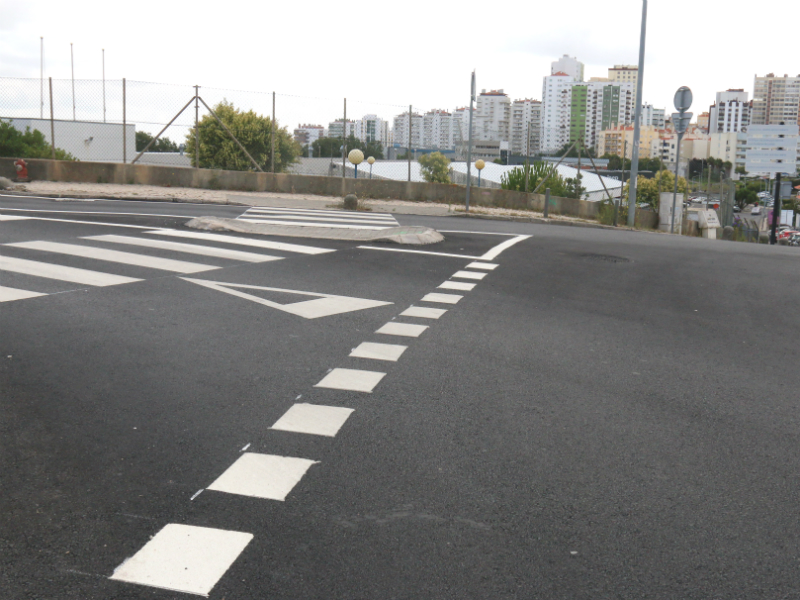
(435, 167)
(741, 170)
(162, 144)
(219, 151)
(648, 190)
(574, 152)
(325, 147)
(28, 144)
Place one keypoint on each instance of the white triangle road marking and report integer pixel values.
(324, 305)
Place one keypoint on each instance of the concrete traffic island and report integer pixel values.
(416, 236)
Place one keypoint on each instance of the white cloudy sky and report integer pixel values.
(412, 52)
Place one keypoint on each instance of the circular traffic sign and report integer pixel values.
(683, 98)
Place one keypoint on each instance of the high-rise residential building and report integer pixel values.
(619, 141)
(371, 128)
(439, 130)
(400, 130)
(730, 146)
(776, 100)
(730, 113)
(461, 120)
(703, 120)
(569, 65)
(526, 120)
(556, 100)
(308, 134)
(624, 74)
(652, 117)
(335, 128)
(492, 116)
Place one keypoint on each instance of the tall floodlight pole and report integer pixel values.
(41, 77)
(636, 124)
(469, 143)
(72, 60)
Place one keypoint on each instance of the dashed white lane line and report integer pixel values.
(12, 218)
(61, 273)
(184, 558)
(127, 258)
(402, 329)
(262, 476)
(442, 298)
(469, 275)
(231, 239)
(8, 294)
(390, 352)
(481, 265)
(186, 248)
(457, 285)
(351, 380)
(423, 312)
(313, 419)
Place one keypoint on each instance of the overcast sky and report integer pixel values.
(400, 53)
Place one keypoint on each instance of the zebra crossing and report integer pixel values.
(313, 217)
(37, 265)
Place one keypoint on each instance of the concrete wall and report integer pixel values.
(87, 172)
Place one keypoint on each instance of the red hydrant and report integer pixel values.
(22, 169)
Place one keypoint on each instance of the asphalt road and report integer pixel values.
(605, 415)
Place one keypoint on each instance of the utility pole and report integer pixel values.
(408, 154)
(636, 123)
(72, 60)
(104, 85)
(41, 77)
(196, 127)
(469, 143)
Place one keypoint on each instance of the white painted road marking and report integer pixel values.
(469, 275)
(457, 285)
(8, 294)
(321, 212)
(313, 419)
(490, 255)
(500, 248)
(404, 250)
(482, 265)
(391, 352)
(12, 218)
(187, 248)
(127, 258)
(323, 306)
(262, 476)
(351, 380)
(241, 241)
(402, 329)
(442, 298)
(318, 218)
(423, 312)
(60, 272)
(184, 558)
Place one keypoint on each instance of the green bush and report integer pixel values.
(27, 144)
(435, 167)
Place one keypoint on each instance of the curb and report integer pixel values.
(125, 199)
(543, 221)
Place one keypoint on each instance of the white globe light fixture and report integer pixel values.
(371, 161)
(479, 164)
(356, 157)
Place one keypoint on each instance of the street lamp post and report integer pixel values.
(479, 164)
(356, 157)
(371, 161)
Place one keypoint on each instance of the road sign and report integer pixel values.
(683, 99)
(681, 121)
(324, 305)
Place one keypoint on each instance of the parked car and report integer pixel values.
(756, 210)
(736, 208)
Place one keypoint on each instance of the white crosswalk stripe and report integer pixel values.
(60, 272)
(311, 217)
(187, 248)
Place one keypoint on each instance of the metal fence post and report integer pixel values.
(124, 125)
(344, 138)
(546, 202)
(409, 142)
(52, 125)
(272, 133)
(197, 127)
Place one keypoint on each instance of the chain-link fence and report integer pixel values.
(159, 124)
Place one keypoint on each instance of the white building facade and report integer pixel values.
(400, 130)
(568, 65)
(439, 130)
(371, 128)
(526, 119)
(555, 120)
(335, 128)
(492, 116)
(730, 113)
(305, 135)
(653, 117)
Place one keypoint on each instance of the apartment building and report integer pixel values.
(776, 100)
(400, 130)
(492, 116)
(568, 65)
(439, 130)
(335, 128)
(652, 117)
(624, 74)
(371, 128)
(556, 106)
(730, 146)
(619, 140)
(308, 134)
(730, 113)
(526, 120)
(596, 106)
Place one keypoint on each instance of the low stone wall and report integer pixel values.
(89, 172)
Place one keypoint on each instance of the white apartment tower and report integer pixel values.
(371, 128)
(555, 119)
(526, 118)
(335, 128)
(439, 130)
(400, 131)
(569, 65)
(653, 117)
(305, 135)
(730, 113)
(624, 74)
(492, 116)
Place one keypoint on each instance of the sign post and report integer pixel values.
(681, 120)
